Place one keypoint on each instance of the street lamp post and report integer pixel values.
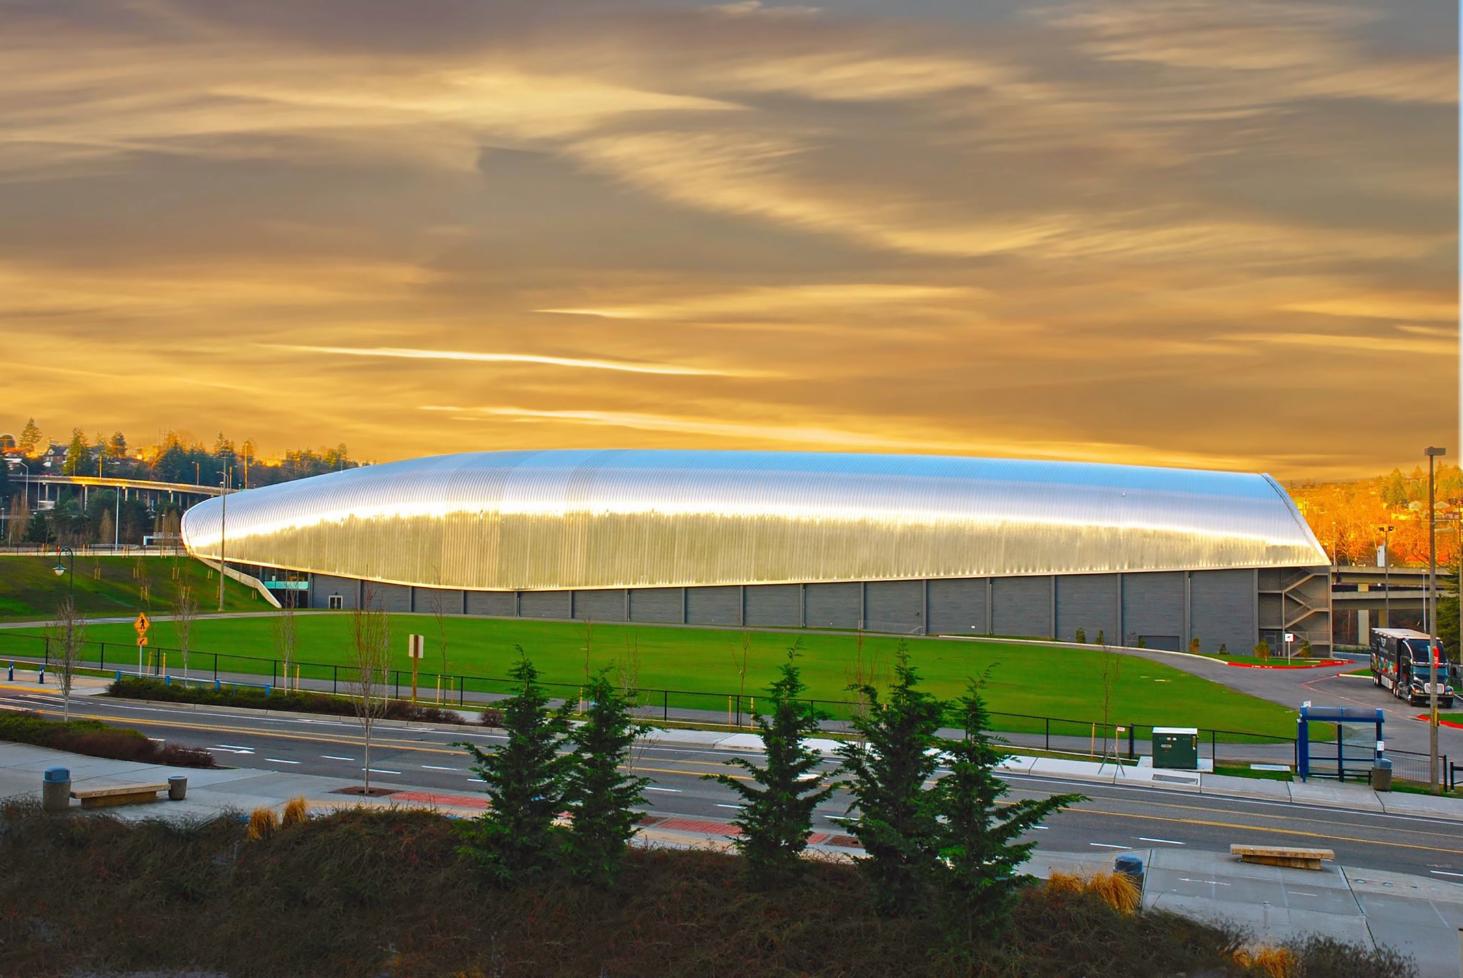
(1387, 529)
(1433, 454)
(222, 513)
(70, 571)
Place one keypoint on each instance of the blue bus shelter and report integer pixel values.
(1358, 746)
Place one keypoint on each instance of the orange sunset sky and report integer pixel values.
(1177, 232)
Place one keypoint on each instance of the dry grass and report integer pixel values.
(1270, 962)
(1114, 889)
(263, 823)
(296, 812)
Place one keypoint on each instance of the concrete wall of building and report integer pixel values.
(1222, 610)
(959, 606)
(600, 604)
(1089, 602)
(665, 605)
(774, 605)
(1022, 606)
(834, 605)
(1161, 610)
(895, 606)
(323, 587)
(1153, 610)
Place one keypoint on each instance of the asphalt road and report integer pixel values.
(1113, 818)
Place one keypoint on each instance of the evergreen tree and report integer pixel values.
(896, 820)
(600, 798)
(1448, 607)
(78, 453)
(30, 437)
(117, 445)
(980, 855)
(779, 800)
(515, 837)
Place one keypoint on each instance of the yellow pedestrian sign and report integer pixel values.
(142, 625)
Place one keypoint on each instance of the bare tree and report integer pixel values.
(739, 661)
(284, 636)
(65, 636)
(370, 648)
(437, 603)
(19, 519)
(185, 610)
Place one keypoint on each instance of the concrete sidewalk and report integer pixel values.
(1318, 792)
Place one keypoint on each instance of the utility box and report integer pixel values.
(1176, 748)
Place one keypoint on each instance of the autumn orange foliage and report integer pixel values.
(1347, 517)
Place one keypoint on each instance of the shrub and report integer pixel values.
(1305, 648)
(1116, 890)
(296, 812)
(1194, 645)
(1223, 649)
(263, 823)
(1101, 639)
(1326, 957)
(1080, 636)
(1069, 884)
(96, 739)
(1262, 650)
(491, 717)
(250, 697)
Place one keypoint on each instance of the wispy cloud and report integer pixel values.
(576, 363)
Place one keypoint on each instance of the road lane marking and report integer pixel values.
(246, 750)
(336, 757)
(438, 767)
(280, 760)
(1440, 872)
(1107, 845)
(1301, 833)
(1185, 879)
(231, 750)
(651, 787)
(734, 807)
(478, 780)
(380, 770)
(1167, 842)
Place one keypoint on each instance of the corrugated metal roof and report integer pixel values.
(641, 518)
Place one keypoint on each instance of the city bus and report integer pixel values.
(1402, 664)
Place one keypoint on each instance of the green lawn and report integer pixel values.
(112, 586)
(704, 663)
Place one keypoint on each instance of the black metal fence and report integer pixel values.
(1058, 735)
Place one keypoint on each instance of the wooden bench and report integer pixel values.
(1282, 856)
(118, 794)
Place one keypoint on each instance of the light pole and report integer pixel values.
(1433, 454)
(1387, 529)
(69, 570)
(222, 513)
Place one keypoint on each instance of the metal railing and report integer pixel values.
(1057, 735)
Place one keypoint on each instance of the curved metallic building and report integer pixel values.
(606, 519)
(581, 521)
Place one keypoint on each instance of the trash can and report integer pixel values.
(1130, 866)
(177, 787)
(1382, 774)
(56, 789)
(1176, 748)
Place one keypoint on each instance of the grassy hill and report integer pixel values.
(111, 586)
(706, 665)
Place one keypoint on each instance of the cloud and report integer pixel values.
(576, 363)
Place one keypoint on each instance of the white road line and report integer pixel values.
(231, 750)
(280, 760)
(674, 791)
(1107, 845)
(1040, 828)
(840, 818)
(434, 767)
(158, 739)
(478, 780)
(734, 807)
(379, 770)
(1440, 872)
(1167, 842)
(333, 757)
(1210, 882)
(241, 750)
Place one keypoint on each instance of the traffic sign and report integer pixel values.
(141, 625)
